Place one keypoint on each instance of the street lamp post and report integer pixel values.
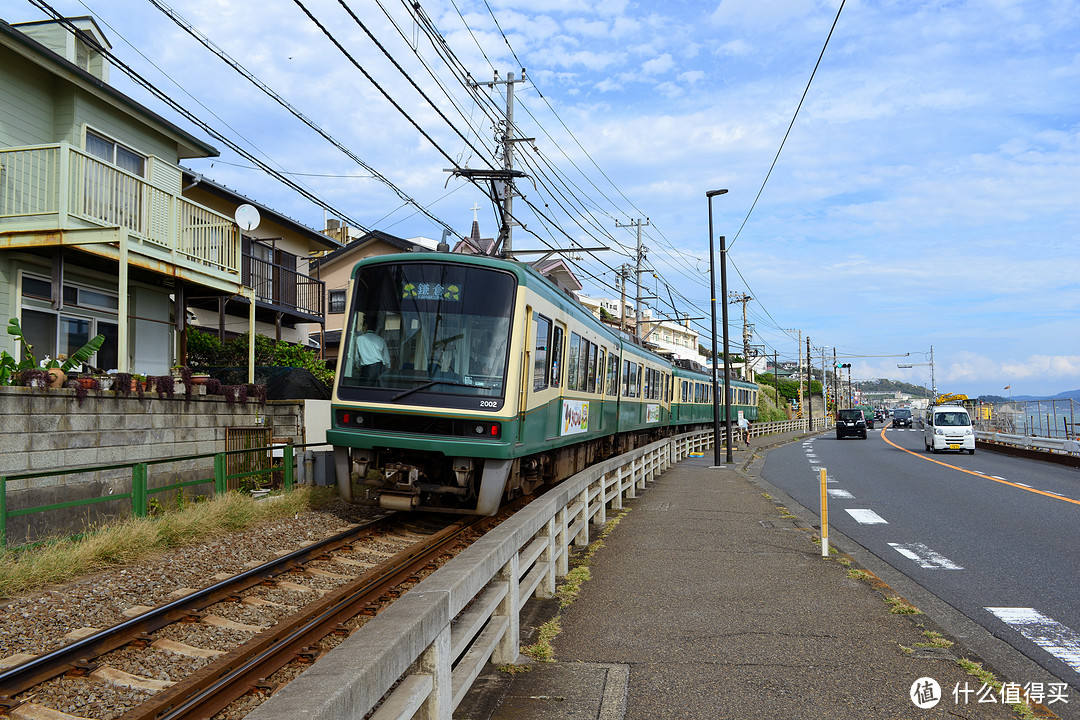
(710, 194)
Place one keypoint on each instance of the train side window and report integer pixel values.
(684, 390)
(648, 384)
(541, 361)
(591, 385)
(640, 372)
(601, 359)
(556, 357)
(572, 362)
(626, 378)
(613, 374)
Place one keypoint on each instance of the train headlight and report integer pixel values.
(493, 430)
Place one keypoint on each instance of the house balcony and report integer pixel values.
(60, 196)
(281, 289)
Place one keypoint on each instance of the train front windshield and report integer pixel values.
(420, 328)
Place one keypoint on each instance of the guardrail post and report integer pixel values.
(220, 484)
(563, 547)
(435, 662)
(287, 462)
(628, 488)
(582, 538)
(508, 649)
(600, 517)
(616, 501)
(546, 588)
(3, 511)
(138, 489)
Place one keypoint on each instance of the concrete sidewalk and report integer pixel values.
(709, 601)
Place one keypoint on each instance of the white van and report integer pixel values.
(948, 427)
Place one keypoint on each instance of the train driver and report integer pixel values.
(372, 353)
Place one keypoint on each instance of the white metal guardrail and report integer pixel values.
(432, 643)
(1045, 444)
(783, 426)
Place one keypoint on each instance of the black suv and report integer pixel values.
(901, 418)
(850, 422)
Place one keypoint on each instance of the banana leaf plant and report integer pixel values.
(10, 368)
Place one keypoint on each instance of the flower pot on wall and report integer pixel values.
(56, 377)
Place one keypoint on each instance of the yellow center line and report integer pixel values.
(976, 474)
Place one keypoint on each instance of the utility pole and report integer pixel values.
(639, 257)
(810, 389)
(776, 376)
(744, 298)
(933, 385)
(799, 371)
(838, 387)
(624, 271)
(502, 180)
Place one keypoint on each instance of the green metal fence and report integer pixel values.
(140, 493)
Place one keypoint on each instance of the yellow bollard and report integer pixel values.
(824, 516)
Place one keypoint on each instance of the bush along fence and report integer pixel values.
(248, 469)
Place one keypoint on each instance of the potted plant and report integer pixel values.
(56, 370)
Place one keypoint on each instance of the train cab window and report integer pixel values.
(541, 362)
(556, 356)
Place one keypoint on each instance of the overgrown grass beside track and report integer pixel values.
(124, 542)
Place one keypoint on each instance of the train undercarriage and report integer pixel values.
(402, 479)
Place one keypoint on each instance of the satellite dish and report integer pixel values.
(247, 217)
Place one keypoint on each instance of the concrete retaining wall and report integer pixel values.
(42, 430)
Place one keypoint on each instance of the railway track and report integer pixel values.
(220, 650)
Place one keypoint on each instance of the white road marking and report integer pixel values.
(1020, 484)
(1047, 633)
(811, 454)
(866, 517)
(840, 493)
(997, 477)
(925, 557)
(815, 462)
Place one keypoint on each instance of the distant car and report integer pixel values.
(901, 418)
(850, 422)
(878, 415)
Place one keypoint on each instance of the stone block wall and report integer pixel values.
(43, 430)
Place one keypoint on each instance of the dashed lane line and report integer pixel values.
(1046, 632)
(866, 517)
(925, 557)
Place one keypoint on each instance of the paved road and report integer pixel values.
(991, 535)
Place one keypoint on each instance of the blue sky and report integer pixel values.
(928, 194)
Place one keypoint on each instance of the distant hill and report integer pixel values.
(883, 385)
(1068, 395)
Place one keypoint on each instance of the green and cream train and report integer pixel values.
(463, 381)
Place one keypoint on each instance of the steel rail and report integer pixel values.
(212, 688)
(57, 662)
